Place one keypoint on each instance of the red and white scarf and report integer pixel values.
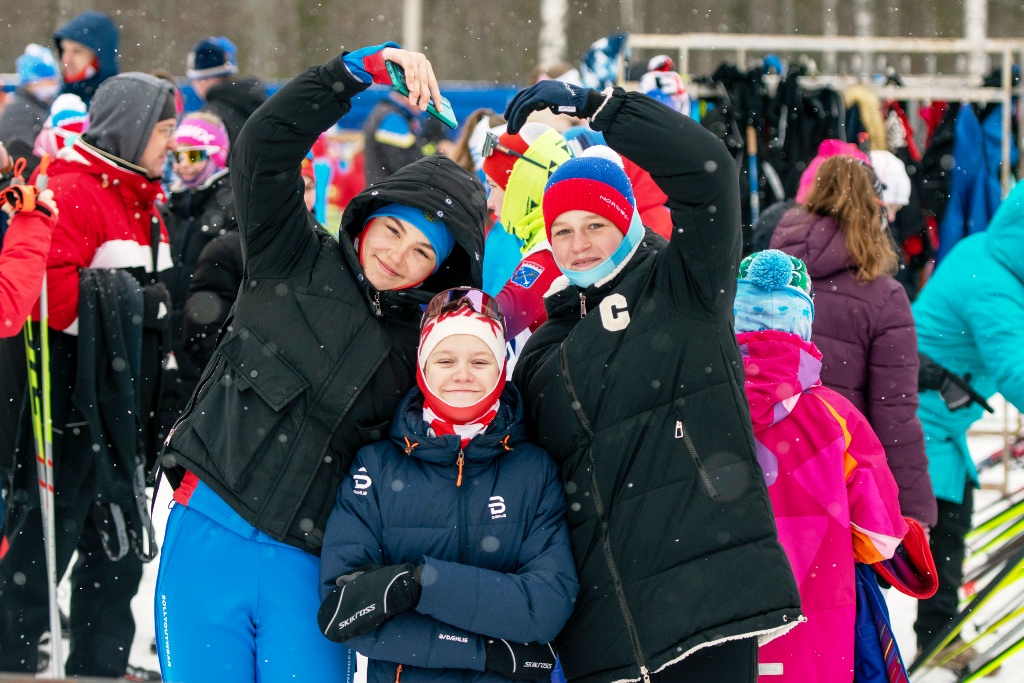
(444, 418)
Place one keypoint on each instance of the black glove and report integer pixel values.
(955, 390)
(559, 97)
(519, 662)
(366, 599)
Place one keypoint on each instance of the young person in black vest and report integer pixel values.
(635, 386)
(318, 352)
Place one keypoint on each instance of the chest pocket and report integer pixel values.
(257, 387)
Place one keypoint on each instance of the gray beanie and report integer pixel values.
(124, 111)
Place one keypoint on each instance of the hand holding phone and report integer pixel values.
(418, 74)
(442, 113)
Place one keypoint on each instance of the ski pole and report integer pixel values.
(42, 426)
(56, 641)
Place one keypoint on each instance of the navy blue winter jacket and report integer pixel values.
(99, 33)
(495, 550)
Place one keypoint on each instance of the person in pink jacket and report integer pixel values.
(834, 498)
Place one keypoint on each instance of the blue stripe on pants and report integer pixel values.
(236, 609)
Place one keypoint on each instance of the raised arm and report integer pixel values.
(277, 231)
(690, 165)
(277, 234)
(694, 169)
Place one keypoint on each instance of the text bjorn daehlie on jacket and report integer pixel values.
(313, 361)
(495, 549)
(868, 340)
(634, 386)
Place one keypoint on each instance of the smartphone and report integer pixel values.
(445, 116)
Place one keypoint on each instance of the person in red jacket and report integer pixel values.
(23, 258)
(106, 185)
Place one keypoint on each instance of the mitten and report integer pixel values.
(365, 600)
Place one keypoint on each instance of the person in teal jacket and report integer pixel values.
(970, 320)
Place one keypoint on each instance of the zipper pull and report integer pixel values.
(583, 305)
(376, 304)
(646, 674)
(167, 441)
(462, 459)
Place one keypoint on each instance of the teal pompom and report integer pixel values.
(770, 269)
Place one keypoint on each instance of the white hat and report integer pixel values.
(892, 173)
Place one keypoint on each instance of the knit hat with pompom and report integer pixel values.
(774, 293)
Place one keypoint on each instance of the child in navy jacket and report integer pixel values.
(447, 555)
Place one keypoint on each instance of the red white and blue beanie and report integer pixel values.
(595, 182)
(592, 182)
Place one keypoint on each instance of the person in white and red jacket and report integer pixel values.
(106, 185)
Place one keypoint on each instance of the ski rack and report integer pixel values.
(920, 87)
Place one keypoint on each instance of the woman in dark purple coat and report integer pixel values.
(863, 324)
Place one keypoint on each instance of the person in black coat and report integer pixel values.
(462, 517)
(635, 386)
(23, 117)
(315, 357)
(213, 69)
(200, 209)
(214, 289)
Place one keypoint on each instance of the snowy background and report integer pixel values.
(903, 609)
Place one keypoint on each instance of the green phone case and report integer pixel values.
(445, 116)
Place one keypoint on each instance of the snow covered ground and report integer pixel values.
(903, 609)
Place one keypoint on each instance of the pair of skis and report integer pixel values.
(1000, 541)
(38, 361)
(1011, 642)
(1016, 456)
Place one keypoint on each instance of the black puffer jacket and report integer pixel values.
(641, 402)
(194, 218)
(313, 361)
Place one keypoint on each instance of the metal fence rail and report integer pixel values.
(919, 87)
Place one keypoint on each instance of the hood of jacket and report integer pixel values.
(123, 113)
(1005, 235)
(133, 187)
(244, 95)
(815, 240)
(99, 33)
(507, 429)
(437, 185)
(779, 367)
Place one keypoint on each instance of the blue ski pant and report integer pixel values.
(233, 605)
